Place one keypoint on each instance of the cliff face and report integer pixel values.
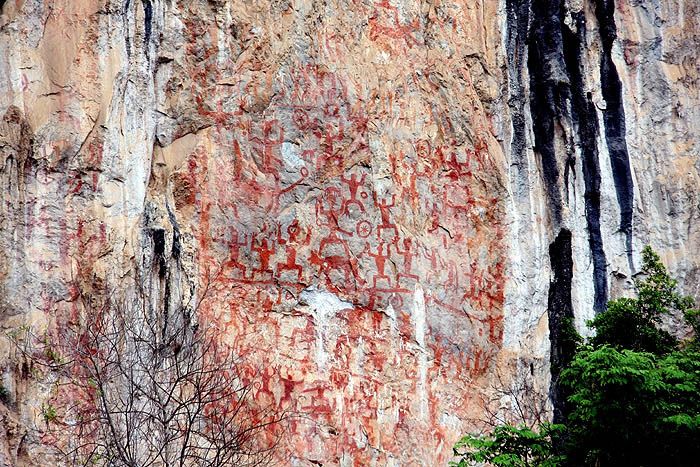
(385, 207)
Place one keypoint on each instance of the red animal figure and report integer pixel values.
(346, 265)
(395, 30)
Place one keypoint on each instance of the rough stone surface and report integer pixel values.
(363, 195)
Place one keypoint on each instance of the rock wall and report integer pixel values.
(385, 207)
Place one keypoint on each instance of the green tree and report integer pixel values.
(634, 391)
(632, 324)
(633, 408)
(508, 446)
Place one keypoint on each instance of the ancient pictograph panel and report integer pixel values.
(359, 292)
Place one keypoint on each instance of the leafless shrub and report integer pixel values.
(516, 400)
(134, 389)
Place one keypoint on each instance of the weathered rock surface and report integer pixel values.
(381, 204)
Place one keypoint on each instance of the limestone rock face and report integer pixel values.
(385, 207)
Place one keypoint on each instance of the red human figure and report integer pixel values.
(330, 138)
(408, 256)
(410, 191)
(434, 217)
(234, 246)
(353, 184)
(265, 251)
(456, 168)
(268, 145)
(293, 231)
(452, 276)
(332, 196)
(384, 207)
(434, 257)
(379, 260)
(476, 283)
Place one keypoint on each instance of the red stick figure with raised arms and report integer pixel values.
(384, 207)
(234, 246)
(265, 251)
(408, 256)
(291, 245)
(353, 184)
(379, 261)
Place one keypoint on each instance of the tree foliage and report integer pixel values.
(633, 324)
(634, 391)
(633, 408)
(508, 446)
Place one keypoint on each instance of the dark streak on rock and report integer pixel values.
(518, 20)
(559, 101)
(125, 15)
(614, 120)
(585, 121)
(549, 91)
(148, 17)
(159, 250)
(559, 309)
(176, 232)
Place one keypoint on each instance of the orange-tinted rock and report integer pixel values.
(353, 190)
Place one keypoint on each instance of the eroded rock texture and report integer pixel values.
(381, 205)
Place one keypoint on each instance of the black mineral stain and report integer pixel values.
(585, 121)
(549, 92)
(558, 97)
(176, 233)
(148, 16)
(518, 19)
(614, 121)
(559, 310)
(125, 16)
(159, 250)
